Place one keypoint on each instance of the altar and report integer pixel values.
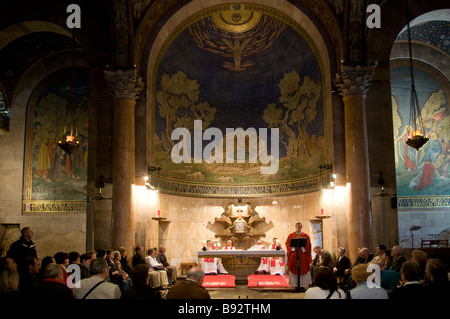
(241, 263)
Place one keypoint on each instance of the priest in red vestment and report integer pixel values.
(305, 259)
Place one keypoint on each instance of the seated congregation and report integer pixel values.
(387, 275)
(108, 275)
(97, 274)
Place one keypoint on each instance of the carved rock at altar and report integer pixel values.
(240, 223)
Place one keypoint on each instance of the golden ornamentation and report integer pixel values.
(237, 19)
(41, 207)
(423, 202)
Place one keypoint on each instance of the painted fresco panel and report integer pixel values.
(233, 68)
(423, 180)
(54, 182)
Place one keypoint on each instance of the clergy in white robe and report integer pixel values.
(229, 246)
(209, 265)
(264, 265)
(276, 264)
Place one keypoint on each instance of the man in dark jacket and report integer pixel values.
(141, 288)
(411, 288)
(22, 248)
(53, 286)
(342, 263)
(138, 257)
(28, 274)
(191, 288)
(171, 270)
(398, 260)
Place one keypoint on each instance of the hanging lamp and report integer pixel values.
(416, 137)
(69, 141)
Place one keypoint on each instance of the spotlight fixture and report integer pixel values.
(99, 183)
(152, 169)
(326, 180)
(328, 167)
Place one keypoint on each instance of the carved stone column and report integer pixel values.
(125, 86)
(352, 83)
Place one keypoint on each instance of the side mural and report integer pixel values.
(423, 180)
(239, 67)
(55, 182)
(424, 172)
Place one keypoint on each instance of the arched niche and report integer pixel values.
(198, 183)
(422, 176)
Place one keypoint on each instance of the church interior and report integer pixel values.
(153, 123)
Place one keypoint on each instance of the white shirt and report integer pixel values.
(319, 293)
(152, 262)
(106, 290)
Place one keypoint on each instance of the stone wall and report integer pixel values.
(182, 224)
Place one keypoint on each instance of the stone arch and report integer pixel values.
(424, 52)
(379, 110)
(146, 58)
(14, 141)
(18, 30)
(148, 34)
(146, 61)
(25, 87)
(380, 41)
(432, 84)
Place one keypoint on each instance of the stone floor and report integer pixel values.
(243, 292)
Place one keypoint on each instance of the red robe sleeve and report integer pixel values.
(305, 257)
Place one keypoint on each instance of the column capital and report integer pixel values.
(354, 79)
(124, 83)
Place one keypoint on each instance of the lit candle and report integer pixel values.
(69, 138)
(321, 211)
(417, 133)
(159, 213)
